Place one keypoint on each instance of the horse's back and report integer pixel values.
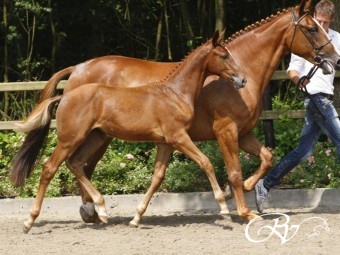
(118, 71)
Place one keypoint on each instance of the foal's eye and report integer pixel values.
(312, 30)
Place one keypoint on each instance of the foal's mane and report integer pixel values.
(175, 69)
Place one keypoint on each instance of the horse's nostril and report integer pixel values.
(338, 62)
(244, 81)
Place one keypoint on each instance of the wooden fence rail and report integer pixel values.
(39, 85)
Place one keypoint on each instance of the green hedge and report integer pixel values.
(127, 167)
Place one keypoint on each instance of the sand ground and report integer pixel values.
(178, 233)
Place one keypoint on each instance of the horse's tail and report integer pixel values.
(51, 86)
(34, 140)
(37, 124)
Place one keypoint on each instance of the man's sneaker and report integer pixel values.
(261, 194)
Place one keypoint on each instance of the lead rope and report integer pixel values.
(310, 74)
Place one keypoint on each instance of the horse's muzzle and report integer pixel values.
(326, 66)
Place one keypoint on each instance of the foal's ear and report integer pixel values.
(215, 39)
(221, 37)
(305, 7)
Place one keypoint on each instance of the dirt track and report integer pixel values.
(170, 234)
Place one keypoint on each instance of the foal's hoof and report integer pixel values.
(133, 224)
(224, 212)
(86, 217)
(26, 229)
(228, 192)
(103, 218)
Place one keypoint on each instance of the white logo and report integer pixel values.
(281, 228)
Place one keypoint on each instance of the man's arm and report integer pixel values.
(294, 76)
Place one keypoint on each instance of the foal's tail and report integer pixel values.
(37, 124)
(25, 159)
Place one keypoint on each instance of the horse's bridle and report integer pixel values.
(317, 49)
(318, 59)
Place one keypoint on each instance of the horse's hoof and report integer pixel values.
(133, 224)
(250, 216)
(86, 217)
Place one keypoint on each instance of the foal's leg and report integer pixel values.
(87, 211)
(49, 170)
(99, 203)
(185, 144)
(87, 156)
(164, 152)
(249, 143)
(229, 148)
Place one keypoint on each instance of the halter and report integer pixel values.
(316, 48)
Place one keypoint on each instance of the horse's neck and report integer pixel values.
(189, 77)
(261, 50)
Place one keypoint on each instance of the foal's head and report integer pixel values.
(309, 40)
(223, 64)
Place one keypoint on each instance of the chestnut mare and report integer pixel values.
(221, 112)
(157, 112)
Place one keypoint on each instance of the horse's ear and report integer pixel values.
(215, 38)
(305, 7)
(221, 37)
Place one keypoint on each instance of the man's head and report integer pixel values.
(324, 13)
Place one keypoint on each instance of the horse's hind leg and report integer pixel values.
(164, 152)
(49, 170)
(250, 144)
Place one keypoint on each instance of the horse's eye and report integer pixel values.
(312, 30)
(225, 57)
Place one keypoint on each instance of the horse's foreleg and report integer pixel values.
(164, 152)
(250, 144)
(229, 148)
(184, 144)
(50, 168)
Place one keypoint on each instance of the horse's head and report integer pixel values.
(310, 41)
(223, 64)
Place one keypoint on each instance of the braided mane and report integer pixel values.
(256, 25)
(232, 37)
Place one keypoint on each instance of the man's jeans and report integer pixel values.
(314, 124)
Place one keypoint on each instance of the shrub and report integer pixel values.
(127, 168)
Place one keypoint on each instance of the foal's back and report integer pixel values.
(132, 114)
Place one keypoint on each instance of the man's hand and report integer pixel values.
(294, 76)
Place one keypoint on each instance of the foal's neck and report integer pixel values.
(187, 81)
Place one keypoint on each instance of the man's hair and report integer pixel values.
(325, 7)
